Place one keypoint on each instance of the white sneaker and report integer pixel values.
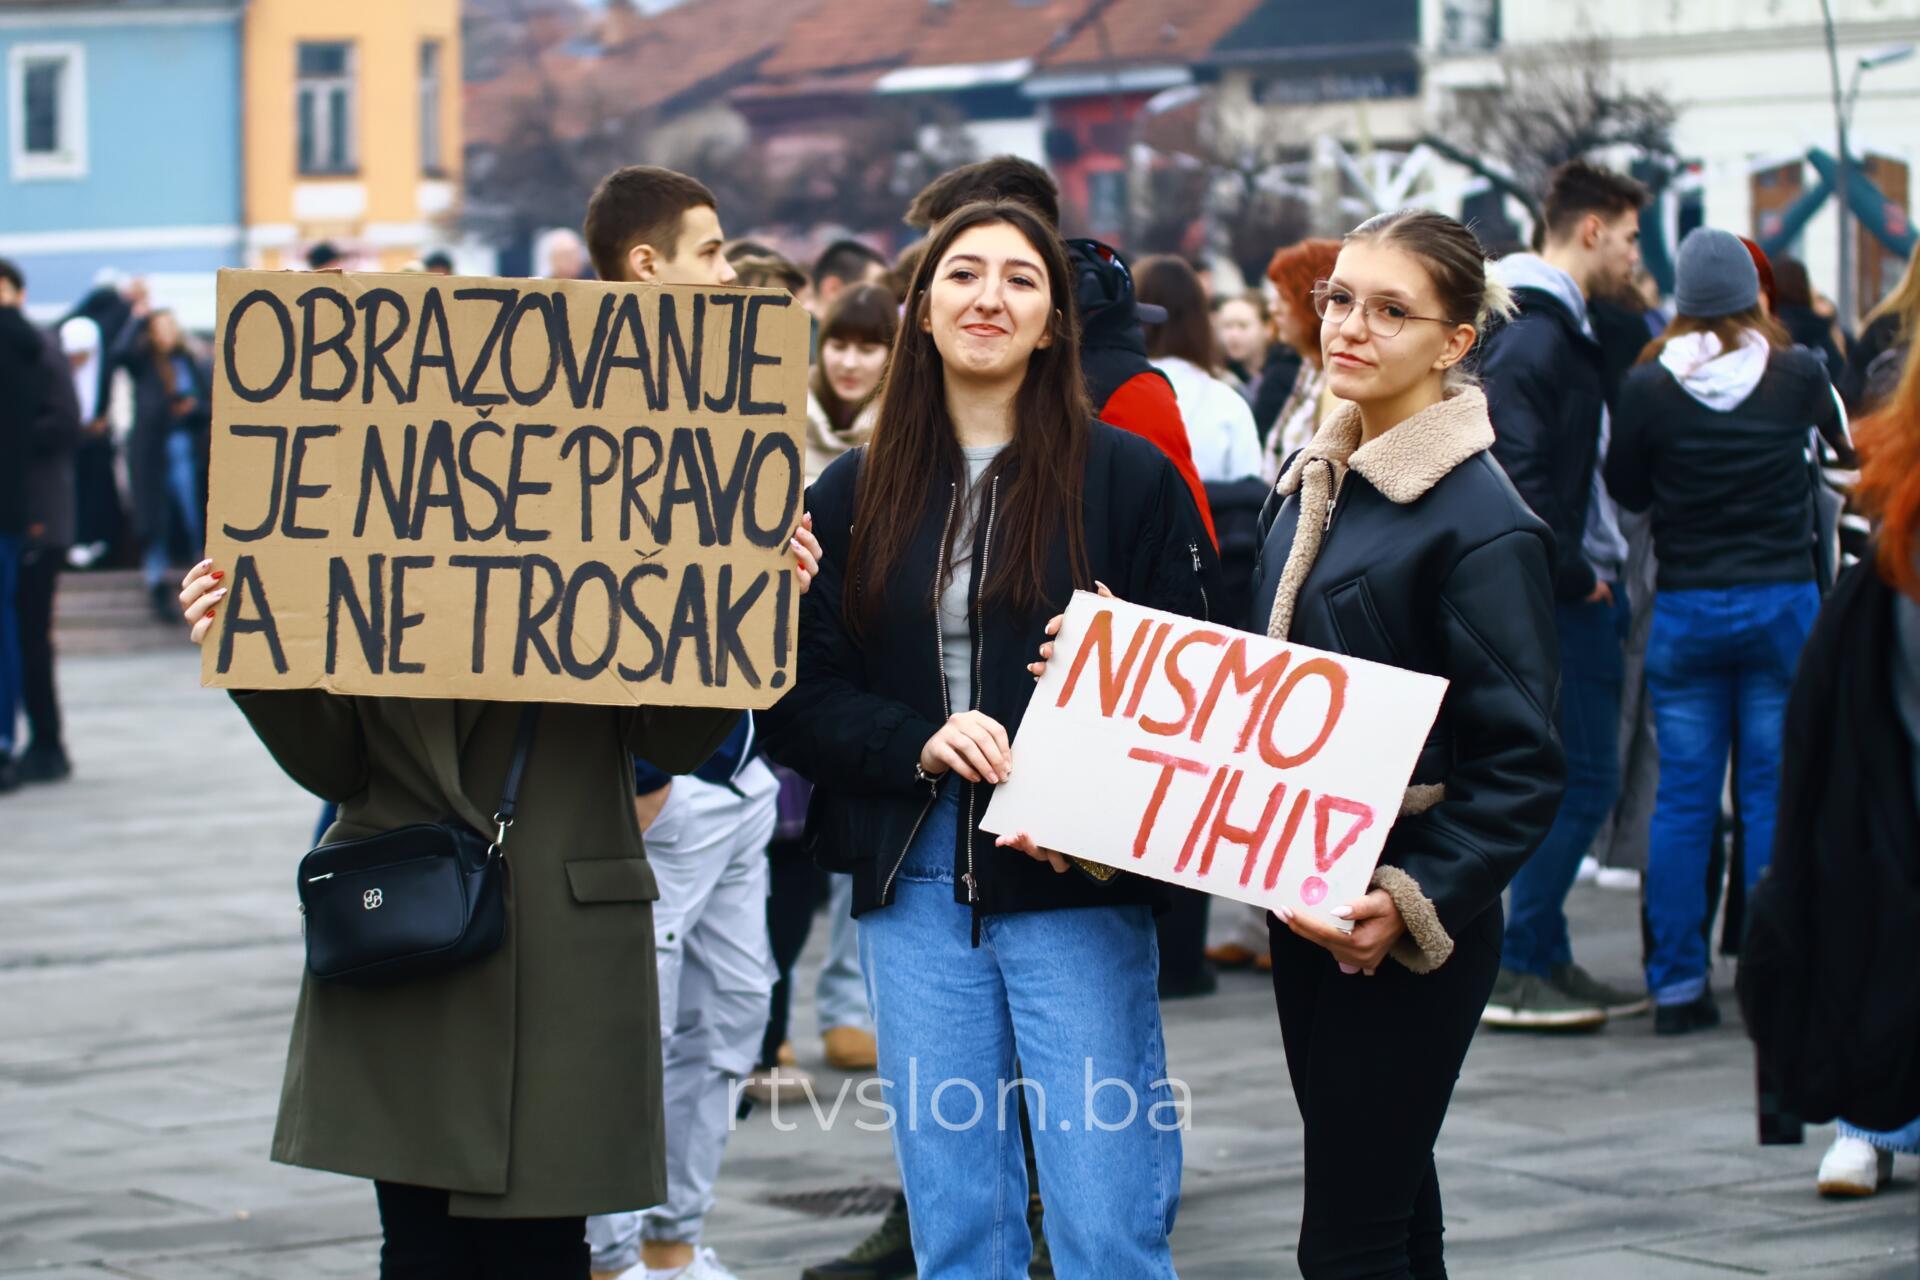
(1625, 879)
(705, 1266)
(1854, 1167)
(1589, 870)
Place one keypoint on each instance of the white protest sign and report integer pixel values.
(1245, 767)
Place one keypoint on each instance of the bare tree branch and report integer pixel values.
(1555, 103)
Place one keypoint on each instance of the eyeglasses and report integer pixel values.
(1385, 316)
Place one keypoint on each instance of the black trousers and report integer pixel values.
(39, 575)
(1373, 1063)
(424, 1243)
(794, 893)
(1183, 934)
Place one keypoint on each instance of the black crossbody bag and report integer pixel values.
(418, 900)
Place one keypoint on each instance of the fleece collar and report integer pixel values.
(830, 438)
(1411, 458)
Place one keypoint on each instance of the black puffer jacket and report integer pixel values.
(861, 709)
(1546, 385)
(1427, 559)
(22, 389)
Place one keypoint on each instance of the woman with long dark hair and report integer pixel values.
(1711, 437)
(986, 496)
(1182, 347)
(172, 408)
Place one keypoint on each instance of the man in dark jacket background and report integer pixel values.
(56, 435)
(1545, 378)
(22, 389)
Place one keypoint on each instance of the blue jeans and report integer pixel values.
(1070, 997)
(1591, 663)
(9, 637)
(1718, 662)
(1901, 1141)
(183, 490)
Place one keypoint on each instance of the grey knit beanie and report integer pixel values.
(1716, 275)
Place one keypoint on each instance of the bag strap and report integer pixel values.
(516, 770)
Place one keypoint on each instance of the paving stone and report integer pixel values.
(149, 955)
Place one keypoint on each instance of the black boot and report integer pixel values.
(887, 1254)
(165, 602)
(43, 762)
(1698, 1014)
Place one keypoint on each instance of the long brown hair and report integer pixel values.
(914, 446)
(1889, 484)
(1727, 329)
(162, 357)
(1187, 334)
(1903, 302)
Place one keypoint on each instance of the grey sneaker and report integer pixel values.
(1526, 1002)
(1576, 982)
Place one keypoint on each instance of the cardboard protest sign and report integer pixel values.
(1246, 767)
(512, 489)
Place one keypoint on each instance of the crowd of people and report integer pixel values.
(104, 421)
(1607, 518)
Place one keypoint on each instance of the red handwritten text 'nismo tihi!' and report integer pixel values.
(1149, 662)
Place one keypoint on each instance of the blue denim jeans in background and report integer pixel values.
(1717, 661)
(1901, 1141)
(10, 549)
(1592, 659)
(183, 489)
(1070, 995)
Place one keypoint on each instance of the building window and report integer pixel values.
(430, 106)
(324, 108)
(47, 105)
(1470, 25)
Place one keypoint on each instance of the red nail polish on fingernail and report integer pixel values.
(218, 574)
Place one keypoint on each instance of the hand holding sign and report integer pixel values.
(1159, 743)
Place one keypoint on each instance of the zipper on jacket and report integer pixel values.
(979, 643)
(1333, 498)
(1206, 605)
(946, 699)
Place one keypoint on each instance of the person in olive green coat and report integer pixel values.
(526, 1084)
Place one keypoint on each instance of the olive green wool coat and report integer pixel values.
(528, 1083)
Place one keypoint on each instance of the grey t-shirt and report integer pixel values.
(956, 637)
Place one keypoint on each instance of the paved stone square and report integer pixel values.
(149, 953)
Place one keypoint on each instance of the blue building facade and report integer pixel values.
(122, 127)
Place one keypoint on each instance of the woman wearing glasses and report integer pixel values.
(1398, 539)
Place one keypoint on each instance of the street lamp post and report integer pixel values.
(1843, 104)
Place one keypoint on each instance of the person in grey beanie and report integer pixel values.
(1711, 436)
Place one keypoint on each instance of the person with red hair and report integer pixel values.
(1826, 968)
(1295, 270)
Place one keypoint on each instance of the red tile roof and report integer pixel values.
(1151, 31)
(632, 62)
(918, 33)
